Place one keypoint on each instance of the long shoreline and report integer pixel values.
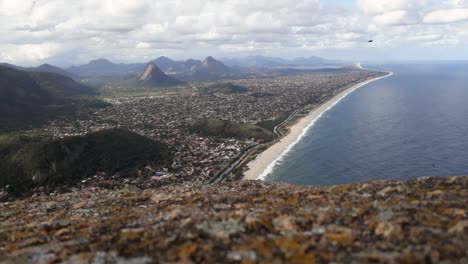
(265, 162)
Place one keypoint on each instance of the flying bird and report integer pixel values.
(370, 41)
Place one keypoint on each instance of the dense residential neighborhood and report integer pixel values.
(167, 117)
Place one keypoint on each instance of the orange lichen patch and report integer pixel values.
(314, 197)
(459, 227)
(455, 212)
(78, 205)
(260, 247)
(255, 223)
(285, 223)
(389, 230)
(18, 236)
(288, 245)
(185, 251)
(342, 188)
(340, 235)
(302, 258)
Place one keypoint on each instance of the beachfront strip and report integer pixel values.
(168, 117)
(264, 163)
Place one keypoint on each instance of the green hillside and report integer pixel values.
(37, 160)
(221, 128)
(30, 98)
(60, 85)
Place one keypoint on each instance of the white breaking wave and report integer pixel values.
(269, 169)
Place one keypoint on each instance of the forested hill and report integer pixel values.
(28, 161)
(28, 98)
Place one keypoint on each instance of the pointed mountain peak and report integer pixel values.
(151, 71)
(211, 65)
(154, 76)
(210, 60)
(163, 58)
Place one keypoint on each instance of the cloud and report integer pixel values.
(378, 7)
(34, 52)
(15, 8)
(392, 18)
(446, 16)
(426, 38)
(72, 32)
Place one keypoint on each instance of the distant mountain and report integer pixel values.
(209, 69)
(43, 68)
(42, 86)
(53, 69)
(155, 77)
(307, 61)
(190, 63)
(30, 97)
(105, 67)
(168, 65)
(102, 64)
(255, 61)
(13, 66)
(210, 65)
(268, 62)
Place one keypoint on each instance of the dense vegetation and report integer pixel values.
(221, 128)
(30, 98)
(226, 88)
(37, 160)
(271, 124)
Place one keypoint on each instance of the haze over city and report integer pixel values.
(67, 33)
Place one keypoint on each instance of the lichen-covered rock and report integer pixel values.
(419, 221)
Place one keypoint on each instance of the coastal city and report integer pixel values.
(174, 131)
(167, 117)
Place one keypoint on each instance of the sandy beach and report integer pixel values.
(264, 163)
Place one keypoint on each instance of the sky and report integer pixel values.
(69, 32)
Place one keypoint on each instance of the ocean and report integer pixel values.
(412, 124)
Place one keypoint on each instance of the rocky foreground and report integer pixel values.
(421, 221)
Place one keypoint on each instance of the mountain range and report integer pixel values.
(168, 65)
(47, 68)
(209, 69)
(210, 65)
(106, 67)
(268, 62)
(192, 69)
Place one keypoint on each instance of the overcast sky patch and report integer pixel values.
(68, 32)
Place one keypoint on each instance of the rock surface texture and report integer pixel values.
(420, 221)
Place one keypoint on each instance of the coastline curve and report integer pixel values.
(264, 163)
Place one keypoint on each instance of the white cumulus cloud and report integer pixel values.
(72, 32)
(446, 16)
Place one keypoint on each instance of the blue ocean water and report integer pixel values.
(412, 124)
